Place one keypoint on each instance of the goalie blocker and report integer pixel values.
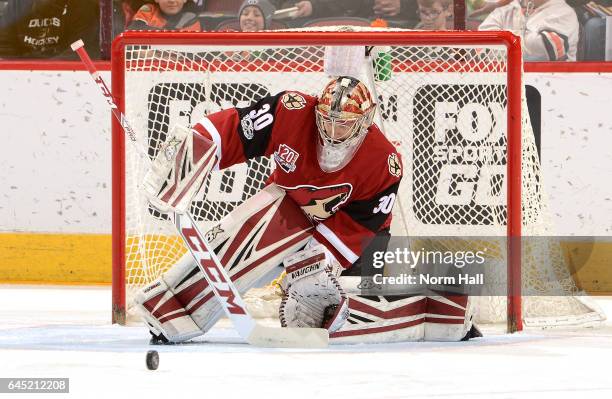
(251, 243)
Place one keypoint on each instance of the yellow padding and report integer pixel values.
(55, 258)
(160, 251)
(86, 259)
(591, 265)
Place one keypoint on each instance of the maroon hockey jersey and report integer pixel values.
(349, 206)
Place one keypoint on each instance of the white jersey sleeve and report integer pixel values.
(549, 33)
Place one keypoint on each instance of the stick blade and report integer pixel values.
(274, 337)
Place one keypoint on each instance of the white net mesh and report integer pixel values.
(444, 107)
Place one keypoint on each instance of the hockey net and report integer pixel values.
(443, 101)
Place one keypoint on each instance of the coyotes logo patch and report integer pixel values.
(319, 203)
(395, 167)
(293, 101)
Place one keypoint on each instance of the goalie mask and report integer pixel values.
(344, 113)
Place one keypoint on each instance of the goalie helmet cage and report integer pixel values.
(162, 78)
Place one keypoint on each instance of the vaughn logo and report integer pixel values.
(305, 271)
(460, 154)
(304, 267)
(286, 157)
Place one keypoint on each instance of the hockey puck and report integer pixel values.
(152, 360)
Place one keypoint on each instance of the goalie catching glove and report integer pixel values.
(312, 296)
(178, 171)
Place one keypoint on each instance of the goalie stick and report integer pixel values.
(214, 273)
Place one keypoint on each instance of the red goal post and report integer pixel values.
(174, 45)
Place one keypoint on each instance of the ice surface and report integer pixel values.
(66, 332)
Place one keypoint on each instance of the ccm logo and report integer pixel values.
(106, 92)
(216, 278)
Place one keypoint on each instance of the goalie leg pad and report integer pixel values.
(164, 314)
(395, 318)
(379, 318)
(449, 317)
(250, 242)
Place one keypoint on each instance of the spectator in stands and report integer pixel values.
(485, 7)
(5, 40)
(46, 28)
(167, 15)
(125, 10)
(405, 10)
(255, 15)
(548, 28)
(435, 14)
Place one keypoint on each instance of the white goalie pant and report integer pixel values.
(251, 242)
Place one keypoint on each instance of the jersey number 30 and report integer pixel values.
(262, 117)
(385, 204)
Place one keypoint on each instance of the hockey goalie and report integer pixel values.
(331, 193)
